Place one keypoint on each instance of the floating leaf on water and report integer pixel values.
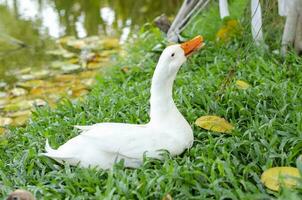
(110, 43)
(242, 85)
(18, 92)
(41, 74)
(214, 123)
(3, 102)
(3, 84)
(64, 40)
(76, 43)
(5, 121)
(66, 78)
(73, 60)
(2, 131)
(24, 70)
(274, 177)
(3, 94)
(91, 39)
(88, 74)
(35, 75)
(61, 52)
(107, 53)
(67, 68)
(20, 121)
(79, 93)
(26, 77)
(19, 113)
(22, 105)
(34, 84)
(57, 64)
(39, 102)
(94, 65)
(88, 82)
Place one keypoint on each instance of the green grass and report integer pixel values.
(267, 117)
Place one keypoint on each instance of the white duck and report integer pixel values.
(101, 145)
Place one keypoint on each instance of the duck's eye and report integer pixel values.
(172, 55)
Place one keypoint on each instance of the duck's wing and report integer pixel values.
(127, 140)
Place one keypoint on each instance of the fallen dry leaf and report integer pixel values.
(167, 197)
(274, 177)
(214, 123)
(242, 85)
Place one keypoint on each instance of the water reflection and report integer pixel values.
(84, 18)
(28, 27)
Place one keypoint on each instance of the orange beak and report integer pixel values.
(192, 45)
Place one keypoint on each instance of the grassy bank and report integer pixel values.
(267, 119)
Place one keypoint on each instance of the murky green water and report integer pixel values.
(28, 27)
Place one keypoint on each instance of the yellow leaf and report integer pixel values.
(242, 85)
(214, 123)
(272, 178)
(167, 197)
(4, 121)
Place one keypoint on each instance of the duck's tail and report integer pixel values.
(54, 154)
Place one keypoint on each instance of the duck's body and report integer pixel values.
(103, 144)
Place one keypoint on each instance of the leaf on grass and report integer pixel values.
(214, 123)
(274, 177)
(167, 197)
(242, 85)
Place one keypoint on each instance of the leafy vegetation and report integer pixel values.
(267, 119)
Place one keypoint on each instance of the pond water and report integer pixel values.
(51, 49)
(35, 23)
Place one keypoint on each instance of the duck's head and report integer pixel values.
(175, 55)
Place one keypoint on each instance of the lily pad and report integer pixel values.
(5, 121)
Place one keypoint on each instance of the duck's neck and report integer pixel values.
(161, 102)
